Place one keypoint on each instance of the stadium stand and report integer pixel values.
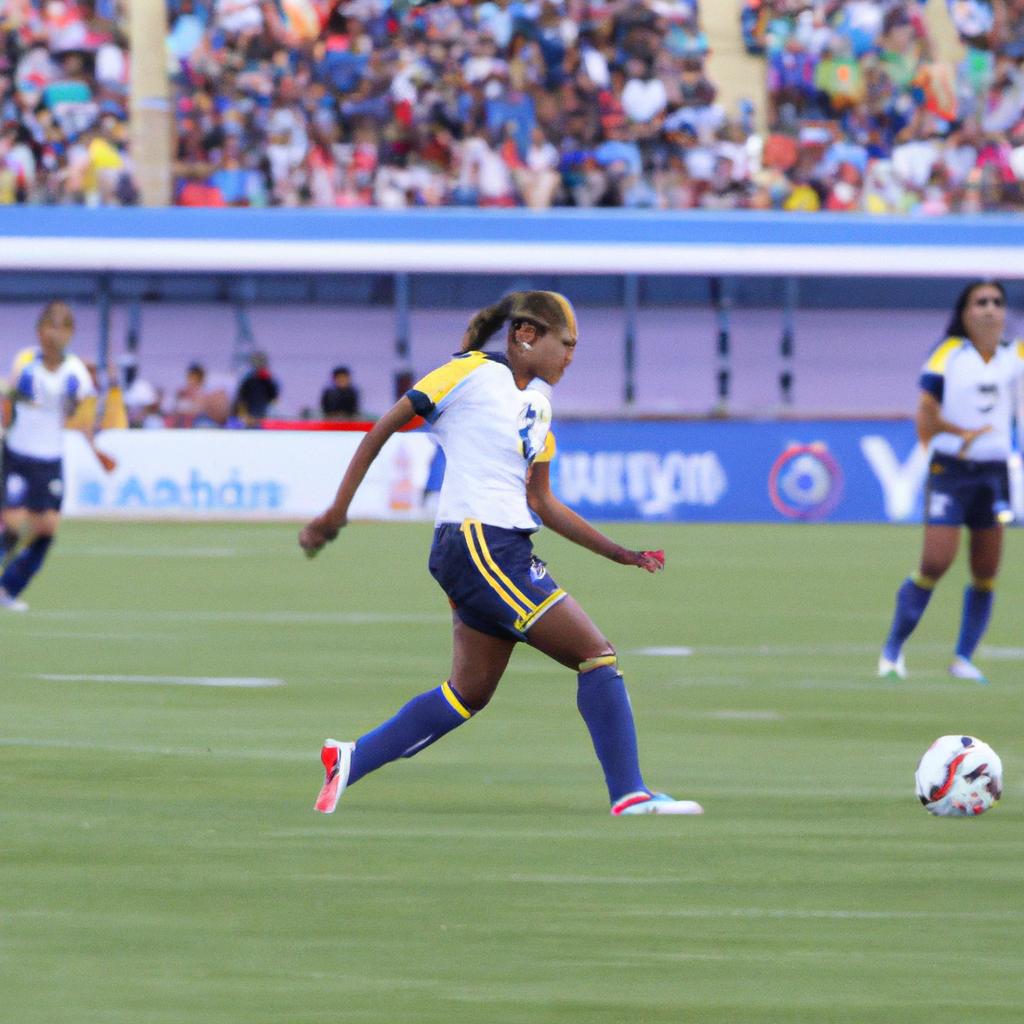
(63, 104)
(865, 114)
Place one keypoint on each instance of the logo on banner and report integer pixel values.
(806, 481)
(902, 482)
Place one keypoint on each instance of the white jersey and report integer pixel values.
(491, 432)
(976, 394)
(43, 399)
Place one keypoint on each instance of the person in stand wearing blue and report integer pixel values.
(495, 433)
(970, 392)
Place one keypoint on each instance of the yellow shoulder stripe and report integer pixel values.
(939, 358)
(446, 378)
(22, 359)
(547, 453)
(1020, 349)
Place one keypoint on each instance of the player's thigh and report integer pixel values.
(566, 633)
(478, 663)
(44, 524)
(986, 551)
(940, 548)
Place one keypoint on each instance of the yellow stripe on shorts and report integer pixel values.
(468, 533)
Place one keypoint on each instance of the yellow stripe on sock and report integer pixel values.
(530, 619)
(491, 581)
(986, 584)
(607, 659)
(449, 695)
(922, 581)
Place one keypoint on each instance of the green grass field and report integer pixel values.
(160, 859)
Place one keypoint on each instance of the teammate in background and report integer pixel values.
(970, 388)
(47, 385)
(496, 437)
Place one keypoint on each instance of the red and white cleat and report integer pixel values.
(654, 803)
(337, 759)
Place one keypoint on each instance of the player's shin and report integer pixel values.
(24, 566)
(911, 600)
(8, 545)
(604, 704)
(424, 720)
(978, 599)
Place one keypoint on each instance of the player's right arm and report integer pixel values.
(930, 422)
(316, 533)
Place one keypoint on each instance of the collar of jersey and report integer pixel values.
(494, 357)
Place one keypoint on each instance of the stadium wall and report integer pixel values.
(726, 471)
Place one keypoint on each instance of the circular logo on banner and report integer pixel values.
(806, 481)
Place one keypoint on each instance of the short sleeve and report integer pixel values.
(80, 385)
(547, 453)
(933, 373)
(432, 394)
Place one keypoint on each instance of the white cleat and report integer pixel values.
(963, 669)
(654, 803)
(337, 761)
(892, 669)
(12, 604)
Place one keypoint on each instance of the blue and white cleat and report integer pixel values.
(963, 669)
(337, 761)
(892, 669)
(12, 604)
(654, 803)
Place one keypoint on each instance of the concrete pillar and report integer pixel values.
(151, 115)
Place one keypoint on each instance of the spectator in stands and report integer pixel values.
(257, 391)
(194, 406)
(341, 400)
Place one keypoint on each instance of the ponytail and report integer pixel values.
(487, 323)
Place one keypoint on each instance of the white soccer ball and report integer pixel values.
(959, 776)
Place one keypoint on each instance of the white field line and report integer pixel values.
(665, 652)
(249, 682)
(837, 915)
(492, 879)
(311, 755)
(1001, 653)
(338, 618)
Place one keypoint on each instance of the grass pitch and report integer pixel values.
(160, 860)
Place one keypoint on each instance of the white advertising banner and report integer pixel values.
(240, 474)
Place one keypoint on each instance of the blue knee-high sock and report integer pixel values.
(17, 575)
(423, 720)
(8, 542)
(977, 609)
(604, 704)
(911, 600)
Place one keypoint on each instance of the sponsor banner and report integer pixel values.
(244, 474)
(811, 471)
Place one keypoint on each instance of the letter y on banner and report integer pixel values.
(901, 482)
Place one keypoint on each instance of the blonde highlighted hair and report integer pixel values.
(545, 310)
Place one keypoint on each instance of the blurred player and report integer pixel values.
(970, 387)
(498, 446)
(47, 385)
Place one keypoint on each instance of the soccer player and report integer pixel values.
(48, 384)
(495, 434)
(970, 389)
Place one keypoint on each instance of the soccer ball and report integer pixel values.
(959, 776)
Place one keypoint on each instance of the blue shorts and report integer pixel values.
(35, 484)
(965, 493)
(491, 577)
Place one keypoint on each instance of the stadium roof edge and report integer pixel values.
(470, 240)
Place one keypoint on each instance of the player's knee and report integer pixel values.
(930, 573)
(605, 657)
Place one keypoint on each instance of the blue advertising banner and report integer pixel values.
(810, 471)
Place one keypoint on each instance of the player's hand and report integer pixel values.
(106, 461)
(652, 561)
(969, 437)
(318, 532)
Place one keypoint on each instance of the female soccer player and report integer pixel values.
(495, 435)
(48, 384)
(970, 387)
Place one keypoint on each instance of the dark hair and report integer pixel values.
(955, 328)
(48, 312)
(198, 369)
(340, 369)
(545, 310)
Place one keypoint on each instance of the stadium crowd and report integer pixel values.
(523, 102)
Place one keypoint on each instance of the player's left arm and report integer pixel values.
(559, 517)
